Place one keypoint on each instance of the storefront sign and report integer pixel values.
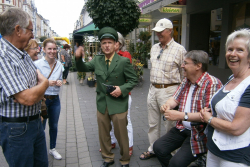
(144, 3)
(170, 10)
(144, 20)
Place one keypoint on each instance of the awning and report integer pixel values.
(88, 29)
(156, 5)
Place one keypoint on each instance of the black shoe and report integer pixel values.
(106, 164)
(127, 165)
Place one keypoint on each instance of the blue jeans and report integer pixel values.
(24, 144)
(54, 108)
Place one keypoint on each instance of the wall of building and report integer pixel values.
(199, 13)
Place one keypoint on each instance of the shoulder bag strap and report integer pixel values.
(52, 70)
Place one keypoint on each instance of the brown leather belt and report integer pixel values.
(164, 85)
(51, 97)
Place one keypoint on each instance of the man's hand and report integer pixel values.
(173, 115)
(117, 92)
(79, 52)
(58, 83)
(165, 107)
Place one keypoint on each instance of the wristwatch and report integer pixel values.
(186, 116)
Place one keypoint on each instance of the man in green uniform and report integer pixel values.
(111, 69)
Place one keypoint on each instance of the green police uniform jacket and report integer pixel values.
(120, 73)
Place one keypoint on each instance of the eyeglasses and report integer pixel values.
(29, 29)
(36, 48)
(160, 54)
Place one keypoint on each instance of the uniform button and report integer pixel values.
(106, 94)
(214, 139)
(106, 80)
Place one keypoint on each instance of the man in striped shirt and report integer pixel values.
(193, 94)
(165, 76)
(22, 87)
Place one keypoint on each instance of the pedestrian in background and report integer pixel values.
(228, 136)
(165, 75)
(33, 49)
(51, 69)
(22, 88)
(117, 71)
(66, 62)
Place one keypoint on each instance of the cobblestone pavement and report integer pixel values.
(78, 140)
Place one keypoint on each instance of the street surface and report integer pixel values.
(78, 140)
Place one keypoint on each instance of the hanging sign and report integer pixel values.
(170, 10)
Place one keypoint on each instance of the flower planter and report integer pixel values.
(91, 83)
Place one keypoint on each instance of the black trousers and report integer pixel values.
(65, 72)
(171, 141)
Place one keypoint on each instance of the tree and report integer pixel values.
(122, 15)
(43, 38)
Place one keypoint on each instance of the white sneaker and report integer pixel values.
(55, 154)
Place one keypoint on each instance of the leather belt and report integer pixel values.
(51, 97)
(20, 119)
(164, 85)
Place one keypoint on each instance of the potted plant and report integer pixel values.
(143, 47)
(138, 67)
(91, 80)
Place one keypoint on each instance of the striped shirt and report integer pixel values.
(205, 88)
(166, 63)
(17, 73)
(43, 66)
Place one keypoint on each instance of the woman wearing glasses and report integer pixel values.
(32, 49)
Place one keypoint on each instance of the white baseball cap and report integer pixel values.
(162, 25)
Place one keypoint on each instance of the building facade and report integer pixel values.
(41, 26)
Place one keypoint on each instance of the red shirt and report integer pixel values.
(205, 88)
(126, 54)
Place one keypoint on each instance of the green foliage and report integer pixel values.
(122, 15)
(144, 36)
(42, 38)
(143, 48)
(131, 48)
(73, 67)
(138, 67)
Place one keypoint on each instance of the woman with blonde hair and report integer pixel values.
(32, 49)
(228, 137)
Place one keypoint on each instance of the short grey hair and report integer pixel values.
(242, 33)
(172, 31)
(199, 56)
(121, 40)
(12, 17)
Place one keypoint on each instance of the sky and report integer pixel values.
(62, 14)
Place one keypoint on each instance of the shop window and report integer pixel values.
(241, 16)
(215, 36)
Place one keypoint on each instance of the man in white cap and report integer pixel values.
(165, 76)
